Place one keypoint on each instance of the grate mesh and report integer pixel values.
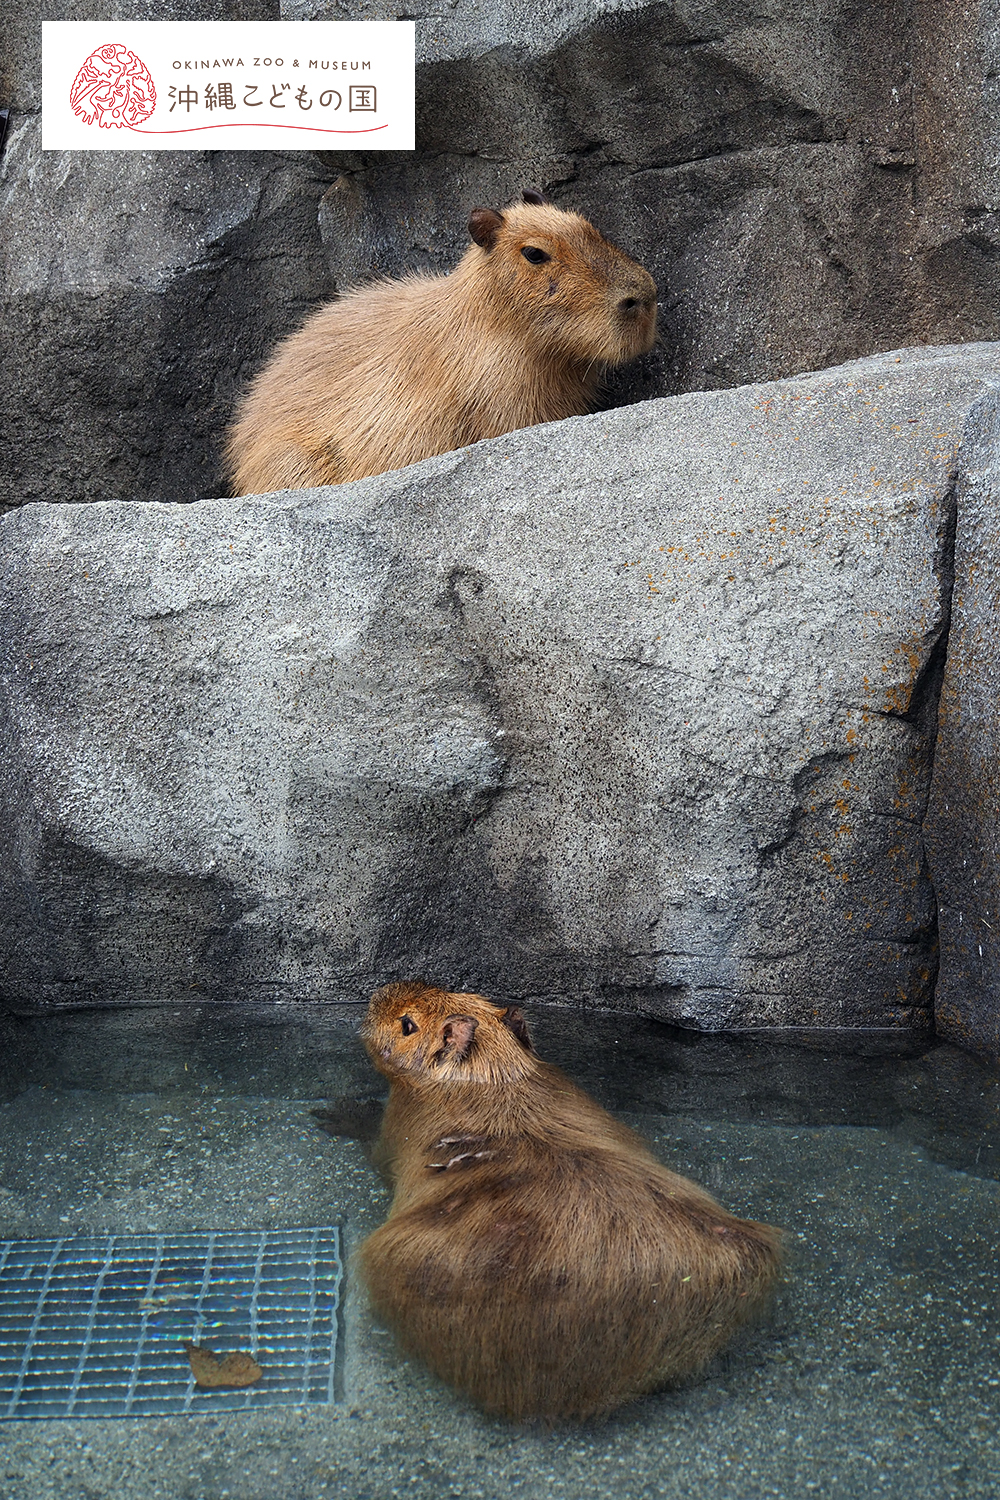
(97, 1327)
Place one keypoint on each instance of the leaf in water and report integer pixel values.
(234, 1370)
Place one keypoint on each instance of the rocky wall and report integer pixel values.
(963, 824)
(637, 709)
(808, 183)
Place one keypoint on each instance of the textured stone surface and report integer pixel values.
(133, 319)
(808, 183)
(963, 824)
(138, 289)
(637, 708)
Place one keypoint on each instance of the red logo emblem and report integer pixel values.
(113, 88)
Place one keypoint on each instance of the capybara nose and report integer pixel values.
(633, 307)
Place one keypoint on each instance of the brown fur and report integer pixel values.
(536, 1255)
(398, 370)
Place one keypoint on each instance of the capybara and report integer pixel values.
(537, 1256)
(538, 308)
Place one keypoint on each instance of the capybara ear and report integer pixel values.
(456, 1038)
(484, 226)
(534, 195)
(513, 1019)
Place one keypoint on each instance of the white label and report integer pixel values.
(227, 85)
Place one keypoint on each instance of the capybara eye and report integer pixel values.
(408, 1026)
(536, 256)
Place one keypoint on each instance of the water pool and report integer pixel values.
(877, 1374)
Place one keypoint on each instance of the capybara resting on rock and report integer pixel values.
(520, 332)
(537, 1256)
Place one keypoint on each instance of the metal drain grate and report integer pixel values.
(97, 1327)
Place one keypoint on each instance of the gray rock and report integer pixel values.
(636, 708)
(963, 822)
(140, 290)
(808, 183)
(132, 321)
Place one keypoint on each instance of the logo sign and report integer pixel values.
(227, 85)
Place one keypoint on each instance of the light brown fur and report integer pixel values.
(536, 1255)
(398, 370)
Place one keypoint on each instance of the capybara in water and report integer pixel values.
(536, 1255)
(520, 332)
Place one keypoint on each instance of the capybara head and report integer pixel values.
(428, 1036)
(574, 294)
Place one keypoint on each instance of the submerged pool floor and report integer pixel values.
(878, 1374)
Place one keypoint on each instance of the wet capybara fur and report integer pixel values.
(537, 1256)
(522, 331)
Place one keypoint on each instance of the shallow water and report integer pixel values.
(878, 1373)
